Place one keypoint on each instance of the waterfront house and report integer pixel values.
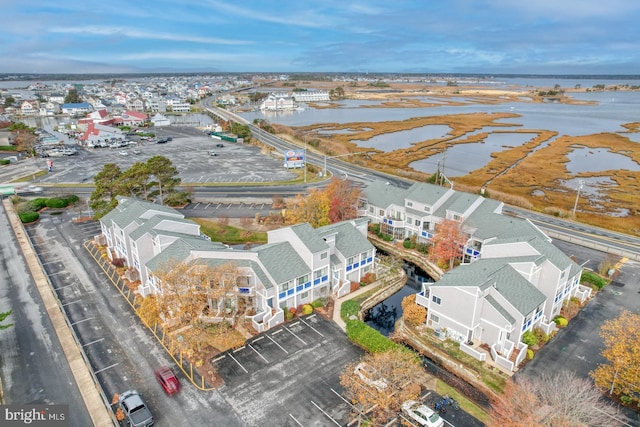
(298, 265)
(511, 280)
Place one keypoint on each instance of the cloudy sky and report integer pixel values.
(422, 36)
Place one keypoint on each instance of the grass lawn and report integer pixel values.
(230, 235)
(465, 404)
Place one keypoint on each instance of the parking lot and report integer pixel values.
(290, 375)
(188, 150)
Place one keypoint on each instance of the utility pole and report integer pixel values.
(305, 158)
(575, 205)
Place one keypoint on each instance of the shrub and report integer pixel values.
(368, 278)
(530, 354)
(423, 248)
(118, 262)
(529, 339)
(55, 202)
(71, 199)
(349, 308)
(28, 216)
(37, 204)
(415, 314)
(288, 315)
(318, 303)
(4, 161)
(626, 400)
(387, 238)
(540, 335)
(307, 309)
(560, 321)
(178, 198)
(374, 228)
(594, 279)
(407, 244)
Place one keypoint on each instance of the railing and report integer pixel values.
(275, 319)
(522, 347)
(258, 320)
(583, 293)
(393, 222)
(507, 349)
(422, 299)
(501, 361)
(547, 327)
(481, 356)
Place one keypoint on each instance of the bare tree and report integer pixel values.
(553, 399)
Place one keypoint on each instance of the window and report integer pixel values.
(456, 217)
(304, 295)
(427, 209)
(381, 212)
(303, 279)
(370, 209)
(436, 299)
(434, 318)
(324, 255)
(351, 260)
(364, 255)
(409, 204)
(417, 223)
(285, 286)
(319, 273)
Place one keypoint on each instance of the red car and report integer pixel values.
(168, 380)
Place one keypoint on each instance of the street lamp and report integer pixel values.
(324, 173)
(575, 205)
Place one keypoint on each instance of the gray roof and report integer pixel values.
(428, 194)
(310, 237)
(496, 272)
(130, 209)
(349, 241)
(458, 202)
(148, 226)
(180, 250)
(381, 194)
(500, 309)
(281, 261)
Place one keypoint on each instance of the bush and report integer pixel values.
(423, 248)
(368, 278)
(318, 303)
(37, 204)
(56, 202)
(529, 339)
(594, 279)
(530, 354)
(28, 216)
(407, 244)
(349, 308)
(387, 238)
(540, 335)
(178, 198)
(118, 262)
(72, 199)
(561, 321)
(307, 309)
(4, 161)
(415, 314)
(288, 315)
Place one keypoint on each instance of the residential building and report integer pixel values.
(512, 278)
(275, 102)
(298, 264)
(77, 108)
(30, 108)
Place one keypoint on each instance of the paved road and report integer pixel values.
(33, 367)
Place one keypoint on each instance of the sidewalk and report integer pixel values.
(88, 387)
(338, 302)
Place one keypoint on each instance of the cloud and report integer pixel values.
(140, 34)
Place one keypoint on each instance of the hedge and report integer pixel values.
(28, 216)
(596, 280)
(37, 204)
(56, 202)
(368, 338)
(71, 199)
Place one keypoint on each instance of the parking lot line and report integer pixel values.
(219, 204)
(80, 321)
(239, 364)
(294, 419)
(258, 353)
(196, 206)
(299, 339)
(314, 329)
(93, 342)
(70, 302)
(57, 272)
(258, 339)
(104, 369)
(238, 349)
(219, 358)
(277, 343)
(328, 416)
(208, 204)
(65, 286)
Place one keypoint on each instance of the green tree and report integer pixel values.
(165, 174)
(242, 131)
(3, 316)
(106, 182)
(72, 97)
(135, 180)
(8, 101)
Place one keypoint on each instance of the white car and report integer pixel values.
(370, 376)
(421, 414)
(124, 153)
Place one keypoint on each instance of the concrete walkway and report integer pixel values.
(89, 389)
(338, 302)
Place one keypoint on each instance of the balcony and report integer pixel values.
(393, 222)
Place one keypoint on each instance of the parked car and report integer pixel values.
(219, 145)
(136, 412)
(421, 414)
(370, 376)
(123, 153)
(136, 151)
(168, 380)
(213, 153)
(162, 140)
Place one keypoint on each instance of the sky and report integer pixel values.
(359, 36)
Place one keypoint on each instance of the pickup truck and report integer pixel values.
(135, 411)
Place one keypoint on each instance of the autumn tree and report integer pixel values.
(106, 182)
(413, 313)
(24, 140)
(621, 376)
(343, 198)
(390, 379)
(447, 243)
(313, 209)
(165, 174)
(551, 400)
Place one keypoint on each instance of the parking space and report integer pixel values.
(290, 375)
